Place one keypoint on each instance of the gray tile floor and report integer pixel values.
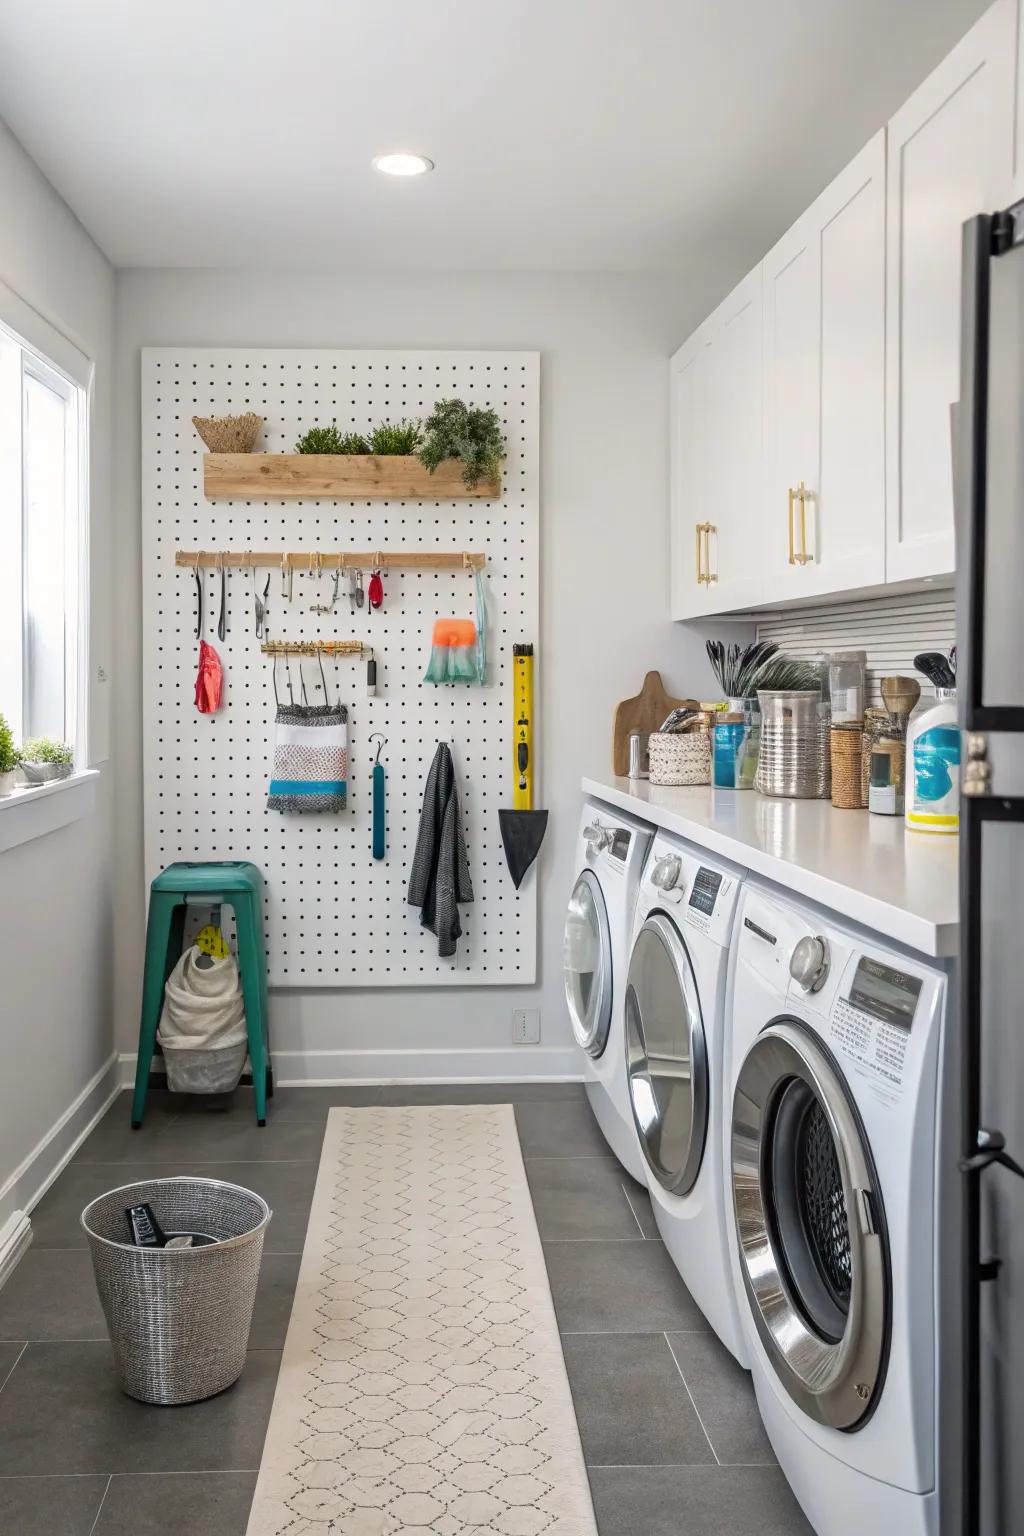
(670, 1431)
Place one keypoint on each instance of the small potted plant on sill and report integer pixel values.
(43, 760)
(10, 757)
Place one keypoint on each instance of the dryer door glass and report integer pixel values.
(588, 964)
(666, 1057)
(811, 1226)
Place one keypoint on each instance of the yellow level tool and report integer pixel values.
(522, 730)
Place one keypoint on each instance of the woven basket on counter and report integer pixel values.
(847, 748)
(680, 757)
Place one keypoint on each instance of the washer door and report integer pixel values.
(666, 1055)
(588, 964)
(811, 1227)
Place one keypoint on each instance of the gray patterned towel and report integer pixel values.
(310, 758)
(440, 869)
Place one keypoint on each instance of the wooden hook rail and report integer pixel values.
(328, 560)
(315, 648)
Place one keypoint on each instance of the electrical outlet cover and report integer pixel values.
(526, 1026)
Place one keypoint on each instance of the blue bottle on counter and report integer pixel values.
(729, 732)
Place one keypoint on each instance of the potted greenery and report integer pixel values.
(330, 440)
(43, 760)
(395, 438)
(455, 430)
(10, 757)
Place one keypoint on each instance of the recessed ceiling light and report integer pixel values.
(403, 165)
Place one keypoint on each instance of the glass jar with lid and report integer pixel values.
(847, 677)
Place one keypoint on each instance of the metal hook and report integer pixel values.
(377, 736)
(222, 621)
(199, 599)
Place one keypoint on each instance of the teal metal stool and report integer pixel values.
(230, 883)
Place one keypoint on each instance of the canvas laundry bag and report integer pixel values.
(203, 1006)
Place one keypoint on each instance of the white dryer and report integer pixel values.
(674, 1028)
(609, 857)
(833, 1066)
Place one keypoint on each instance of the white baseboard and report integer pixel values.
(36, 1172)
(15, 1237)
(535, 1064)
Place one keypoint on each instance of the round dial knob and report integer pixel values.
(598, 837)
(808, 964)
(666, 871)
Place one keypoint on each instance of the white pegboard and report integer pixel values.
(335, 916)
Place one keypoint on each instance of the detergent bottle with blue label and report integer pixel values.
(933, 765)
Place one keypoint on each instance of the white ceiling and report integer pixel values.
(569, 134)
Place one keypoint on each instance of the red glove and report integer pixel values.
(209, 680)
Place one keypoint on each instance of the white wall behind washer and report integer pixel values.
(56, 965)
(604, 343)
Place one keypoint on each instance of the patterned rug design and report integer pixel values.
(422, 1387)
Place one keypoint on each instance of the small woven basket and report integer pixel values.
(680, 757)
(229, 434)
(847, 750)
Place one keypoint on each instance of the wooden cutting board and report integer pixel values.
(645, 712)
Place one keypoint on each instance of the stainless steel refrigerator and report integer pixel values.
(982, 1265)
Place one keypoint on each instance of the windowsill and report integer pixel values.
(36, 809)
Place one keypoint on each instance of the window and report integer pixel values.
(43, 492)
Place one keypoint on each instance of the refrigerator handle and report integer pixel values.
(969, 468)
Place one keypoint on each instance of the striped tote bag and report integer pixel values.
(310, 758)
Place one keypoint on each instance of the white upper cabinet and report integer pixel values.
(824, 391)
(951, 155)
(811, 412)
(717, 472)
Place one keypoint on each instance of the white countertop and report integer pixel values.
(867, 868)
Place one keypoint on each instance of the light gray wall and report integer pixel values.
(604, 343)
(56, 972)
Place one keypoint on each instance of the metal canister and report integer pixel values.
(639, 758)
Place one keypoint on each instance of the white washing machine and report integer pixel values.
(675, 1058)
(834, 1052)
(609, 857)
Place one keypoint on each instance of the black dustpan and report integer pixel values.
(522, 832)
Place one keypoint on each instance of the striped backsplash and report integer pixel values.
(892, 630)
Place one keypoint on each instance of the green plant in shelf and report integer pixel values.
(43, 749)
(394, 437)
(10, 757)
(330, 440)
(455, 430)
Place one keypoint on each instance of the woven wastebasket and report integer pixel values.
(178, 1318)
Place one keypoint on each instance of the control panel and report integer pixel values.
(699, 895)
(706, 886)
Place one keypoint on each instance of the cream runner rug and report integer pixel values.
(422, 1387)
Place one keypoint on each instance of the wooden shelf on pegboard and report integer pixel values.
(335, 477)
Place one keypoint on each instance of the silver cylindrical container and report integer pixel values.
(178, 1318)
(639, 757)
(790, 759)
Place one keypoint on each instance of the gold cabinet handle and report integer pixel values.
(705, 575)
(710, 576)
(805, 496)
